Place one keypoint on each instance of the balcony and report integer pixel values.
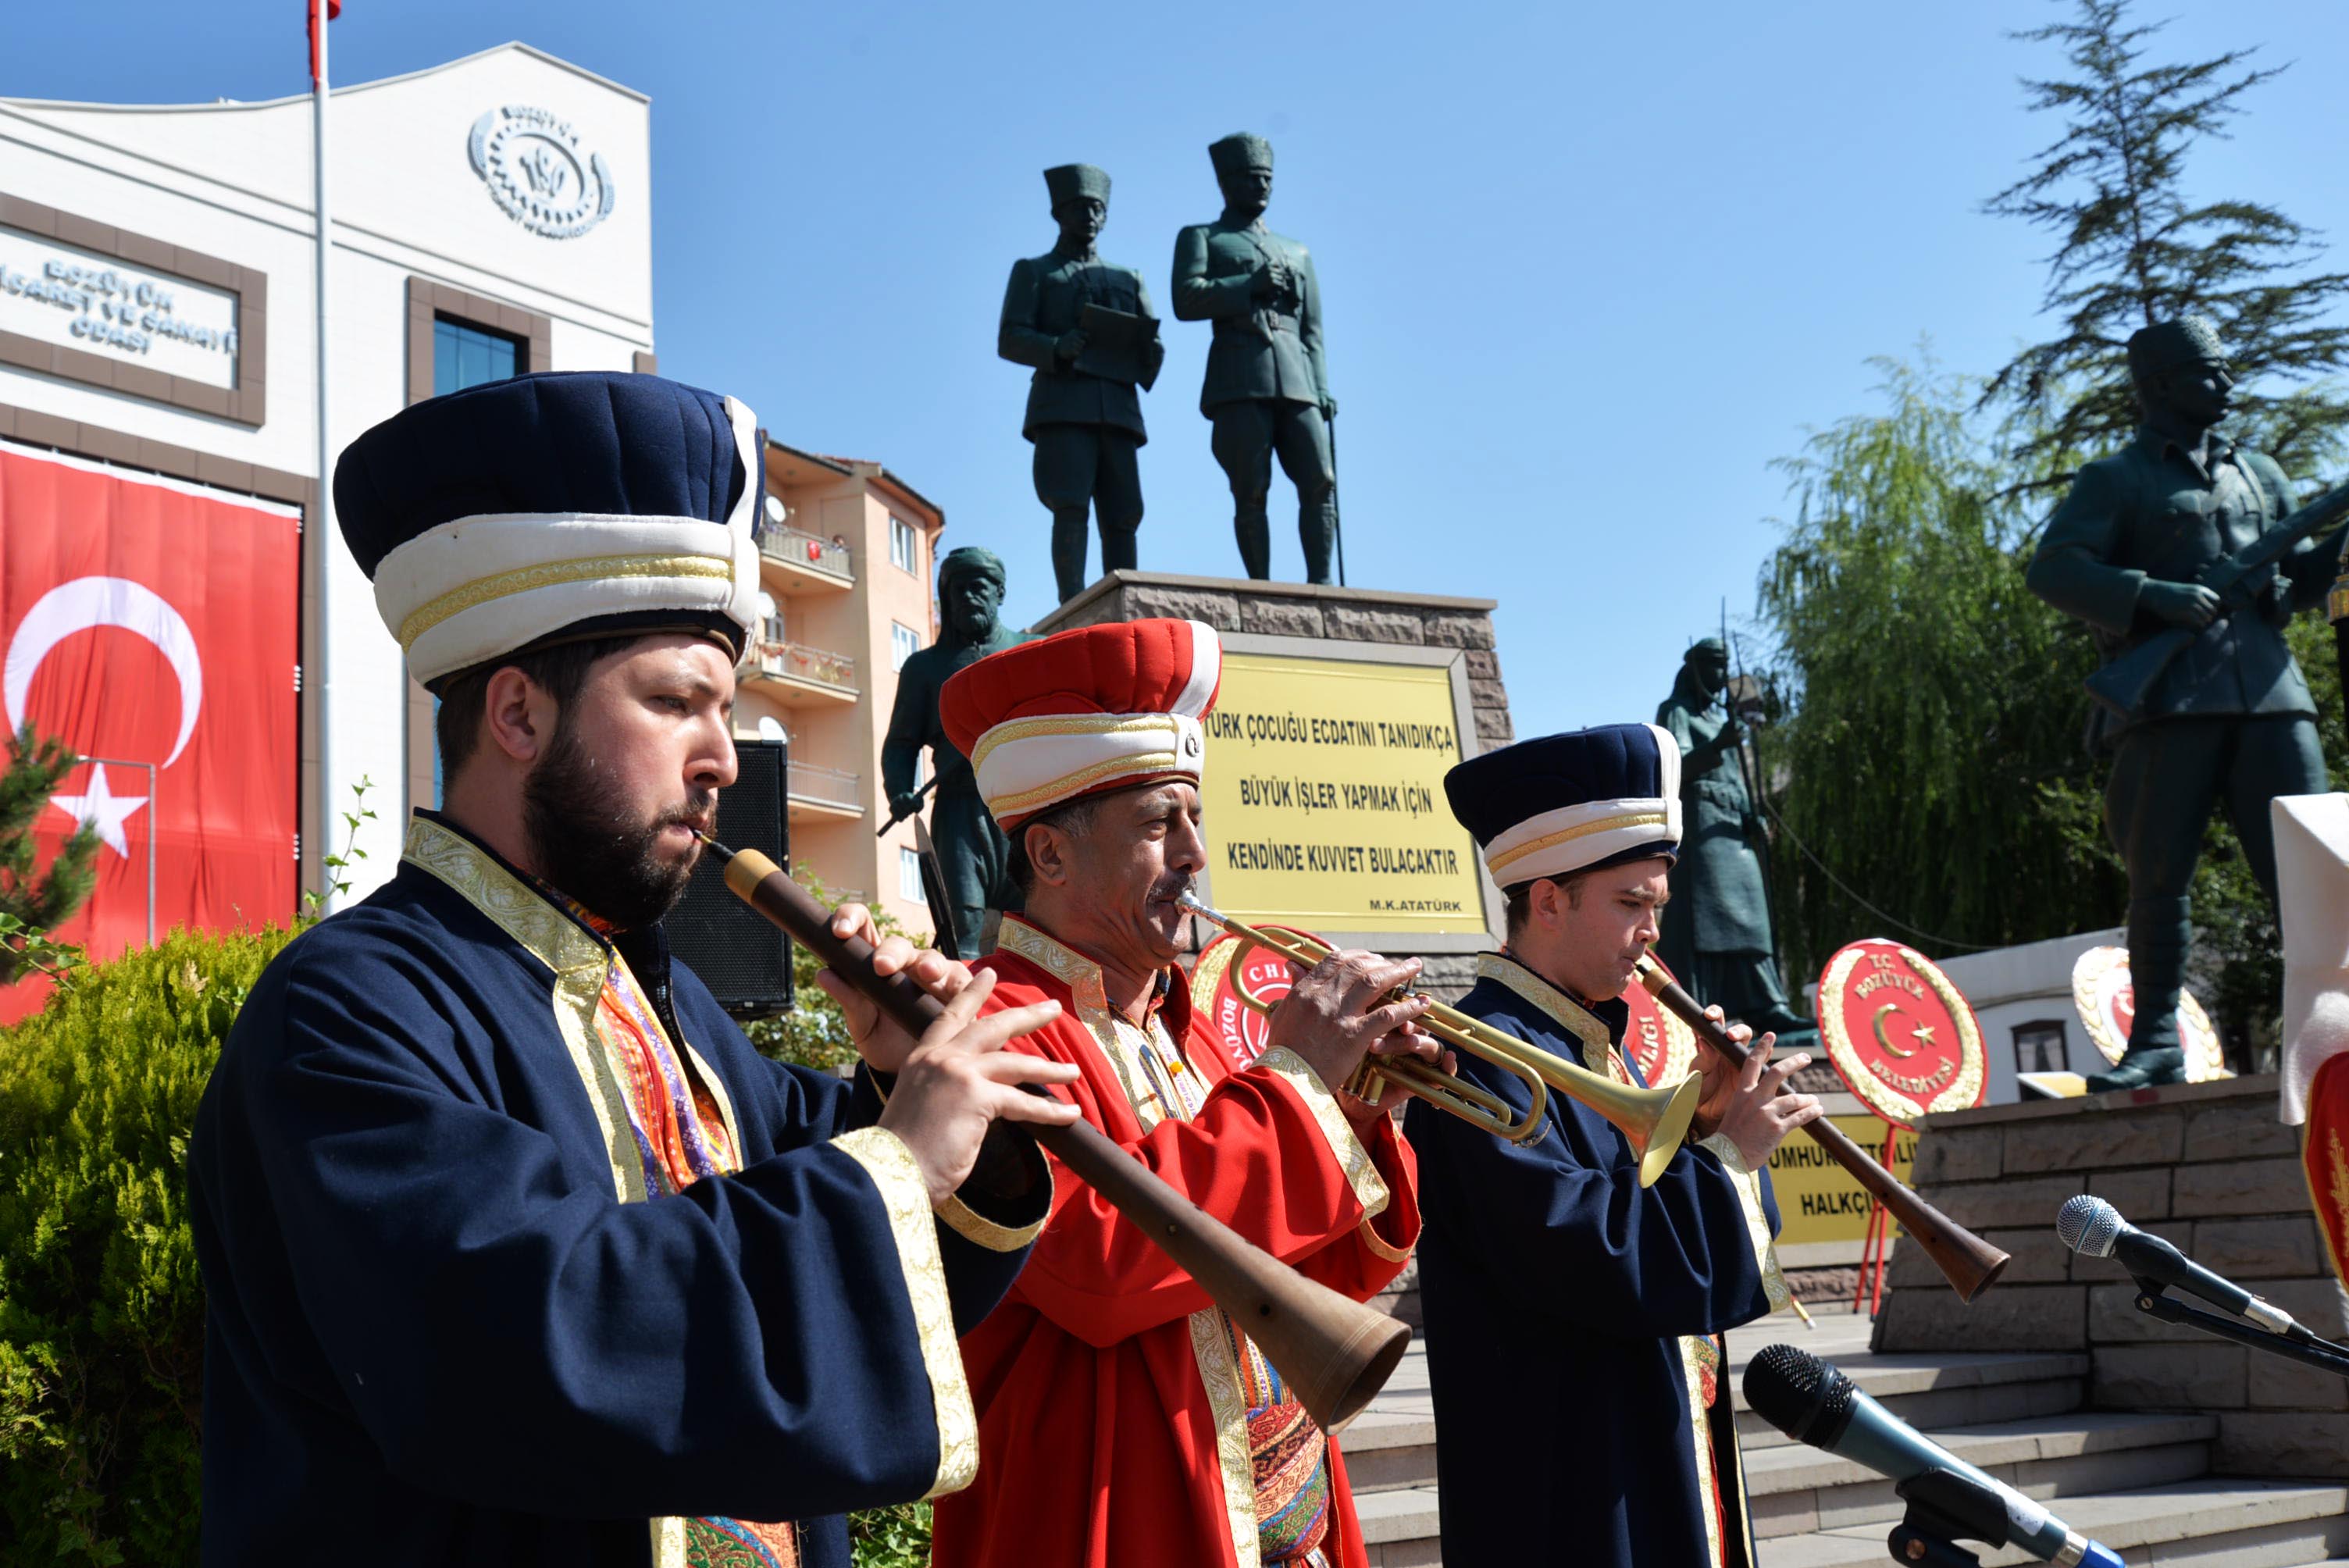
(798, 675)
(824, 794)
(797, 562)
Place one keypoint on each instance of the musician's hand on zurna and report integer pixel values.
(882, 1044)
(1344, 1009)
(1750, 1104)
(958, 1078)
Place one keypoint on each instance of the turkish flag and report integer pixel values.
(152, 626)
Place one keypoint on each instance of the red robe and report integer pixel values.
(1113, 1423)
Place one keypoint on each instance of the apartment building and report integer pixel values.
(847, 566)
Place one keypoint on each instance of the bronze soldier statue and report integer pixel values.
(2227, 722)
(1717, 936)
(1087, 327)
(972, 856)
(1266, 390)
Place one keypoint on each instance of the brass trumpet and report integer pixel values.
(1654, 1120)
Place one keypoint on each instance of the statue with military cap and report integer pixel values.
(2229, 722)
(1717, 938)
(1266, 390)
(972, 855)
(1086, 326)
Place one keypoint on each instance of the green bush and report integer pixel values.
(101, 1311)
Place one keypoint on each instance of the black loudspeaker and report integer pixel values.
(744, 961)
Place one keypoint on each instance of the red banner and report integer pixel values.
(152, 626)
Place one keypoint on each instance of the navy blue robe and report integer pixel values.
(1557, 1293)
(446, 1326)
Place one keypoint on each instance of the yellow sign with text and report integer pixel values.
(1324, 796)
(1818, 1199)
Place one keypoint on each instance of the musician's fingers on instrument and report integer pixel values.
(1774, 1082)
(961, 1008)
(854, 920)
(936, 973)
(1799, 1111)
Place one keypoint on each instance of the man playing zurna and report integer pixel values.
(1574, 1318)
(1127, 1420)
(514, 1250)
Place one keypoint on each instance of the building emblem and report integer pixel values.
(539, 175)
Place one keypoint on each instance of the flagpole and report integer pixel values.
(322, 515)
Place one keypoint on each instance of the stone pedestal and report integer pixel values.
(2207, 1166)
(1245, 609)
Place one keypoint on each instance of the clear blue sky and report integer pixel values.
(1585, 270)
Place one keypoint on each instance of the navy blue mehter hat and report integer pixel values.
(556, 505)
(1572, 803)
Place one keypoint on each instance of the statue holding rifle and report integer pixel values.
(2183, 554)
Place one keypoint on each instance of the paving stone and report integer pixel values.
(2284, 1442)
(2226, 1132)
(1488, 694)
(2277, 1384)
(2025, 1203)
(2037, 1256)
(2017, 1317)
(1280, 617)
(1492, 726)
(1452, 629)
(1957, 1154)
(2095, 1143)
(2285, 1247)
(1360, 623)
(1143, 601)
(1483, 664)
(2114, 1319)
(2240, 1187)
(2140, 1195)
(2205, 1376)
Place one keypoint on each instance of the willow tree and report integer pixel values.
(2134, 245)
(1929, 777)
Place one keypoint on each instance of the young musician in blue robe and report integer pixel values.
(1573, 1318)
(515, 1251)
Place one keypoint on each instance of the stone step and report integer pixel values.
(2209, 1523)
(1937, 1392)
(1798, 1490)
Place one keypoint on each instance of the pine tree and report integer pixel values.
(33, 905)
(2133, 249)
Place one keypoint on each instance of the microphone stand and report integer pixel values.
(1944, 1506)
(2321, 1353)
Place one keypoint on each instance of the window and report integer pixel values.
(904, 546)
(2039, 1046)
(904, 644)
(909, 877)
(464, 356)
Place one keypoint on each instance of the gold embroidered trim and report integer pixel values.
(1748, 1184)
(554, 575)
(1693, 1352)
(1060, 725)
(890, 1164)
(973, 1227)
(669, 1543)
(579, 964)
(1496, 863)
(1562, 1008)
(1083, 779)
(1353, 1159)
(1079, 974)
(1377, 1243)
(1212, 1348)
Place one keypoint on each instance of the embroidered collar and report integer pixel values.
(1579, 1020)
(1082, 975)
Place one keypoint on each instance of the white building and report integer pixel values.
(157, 308)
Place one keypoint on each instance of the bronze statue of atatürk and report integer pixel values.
(1267, 389)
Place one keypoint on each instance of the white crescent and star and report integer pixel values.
(1919, 1034)
(84, 605)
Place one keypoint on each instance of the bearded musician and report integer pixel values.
(514, 1250)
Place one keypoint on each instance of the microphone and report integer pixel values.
(1814, 1403)
(2091, 1226)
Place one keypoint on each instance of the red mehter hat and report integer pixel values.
(1084, 711)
